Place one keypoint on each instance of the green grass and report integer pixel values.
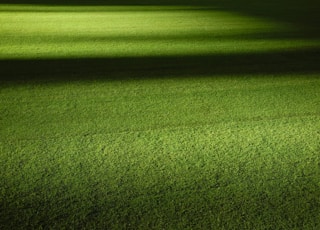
(110, 119)
(57, 32)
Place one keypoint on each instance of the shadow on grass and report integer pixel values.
(125, 68)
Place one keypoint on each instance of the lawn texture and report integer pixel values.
(158, 117)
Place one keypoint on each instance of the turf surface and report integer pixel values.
(164, 117)
(91, 31)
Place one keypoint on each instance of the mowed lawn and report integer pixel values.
(157, 117)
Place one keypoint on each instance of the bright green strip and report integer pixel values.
(145, 48)
(136, 31)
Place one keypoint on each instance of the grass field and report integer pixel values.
(159, 117)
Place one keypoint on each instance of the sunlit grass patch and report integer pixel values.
(53, 32)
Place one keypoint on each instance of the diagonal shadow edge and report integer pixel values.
(124, 68)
